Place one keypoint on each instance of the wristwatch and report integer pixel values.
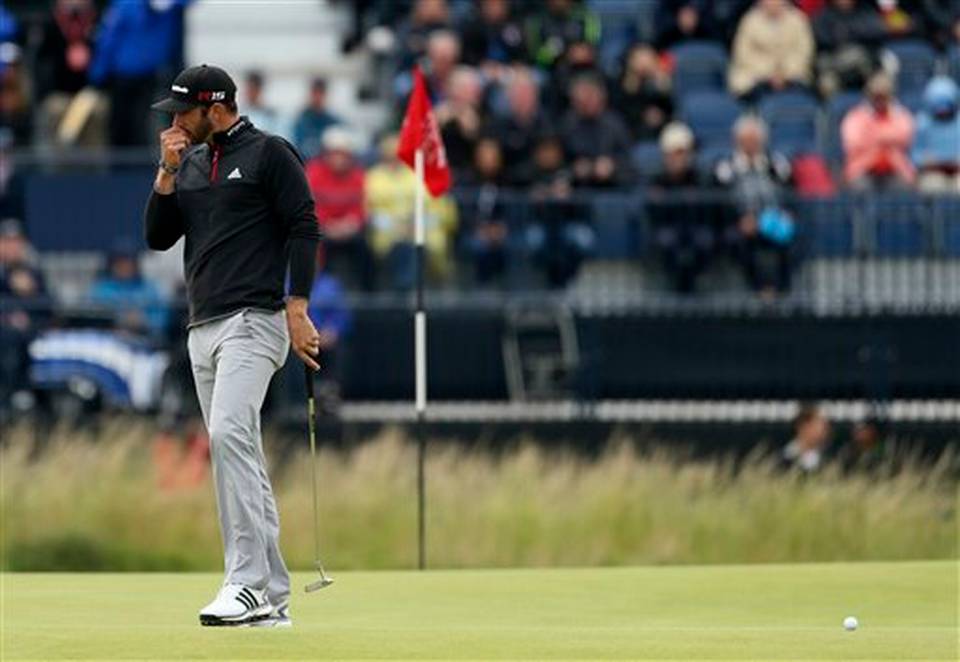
(170, 170)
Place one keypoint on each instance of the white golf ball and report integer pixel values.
(850, 624)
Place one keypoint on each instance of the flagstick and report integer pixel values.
(420, 359)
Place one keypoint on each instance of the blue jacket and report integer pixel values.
(937, 138)
(135, 40)
(328, 307)
(133, 295)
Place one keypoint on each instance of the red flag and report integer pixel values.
(420, 131)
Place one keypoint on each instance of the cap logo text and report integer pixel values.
(179, 88)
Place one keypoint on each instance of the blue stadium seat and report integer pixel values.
(837, 108)
(708, 156)
(947, 210)
(792, 117)
(917, 61)
(912, 101)
(953, 63)
(699, 66)
(826, 227)
(710, 115)
(899, 225)
(647, 159)
(623, 22)
(614, 222)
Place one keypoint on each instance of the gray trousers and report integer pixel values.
(233, 359)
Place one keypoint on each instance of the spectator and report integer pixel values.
(552, 29)
(16, 117)
(936, 151)
(63, 60)
(136, 303)
(683, 20)
(493, 38)
(330, 315)
(580, 59)
(519, 130)
(485, 214)
(772, 51)
(865, 451)
(459, 116)
(811, 434)
(762, 232)
(877, 135)
(138, 39)
(595, 139)
(414, 34)
(336, 181)
(684, 225)
(901, 19)
(558, 238)
(12, 183)
(848, 33)
(261, 115)
(313, 121)
(443, 56)
(643, 93)
(943, 21)
(391, 189)
(24, 311)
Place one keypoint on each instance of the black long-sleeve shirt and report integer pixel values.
(245, 209)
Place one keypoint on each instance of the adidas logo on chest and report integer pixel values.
(235, 174)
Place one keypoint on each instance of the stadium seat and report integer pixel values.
(792, 118)
(614, 222)
(947, 210)
(953, 63)
(899, 226)
(917, 60)
(699, 66)
(826, 227)
(647, 159)
(710, 115)
(837, 108)
(623, 22)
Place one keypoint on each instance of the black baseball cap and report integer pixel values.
(198, 86)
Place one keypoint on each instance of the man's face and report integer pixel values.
(13, 249)
(494, 11)
(523, 98)
(676, 161)
(815, 433)
(196, 123)
(124, 268)
(254, 91)
(340, 160)
(750, 140)
(588, 99)
(318, 97)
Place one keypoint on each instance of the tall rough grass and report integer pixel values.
(94, 504)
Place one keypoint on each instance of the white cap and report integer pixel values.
(336, 138)
(674, 136)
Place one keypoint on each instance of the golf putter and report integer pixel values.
(324, 580)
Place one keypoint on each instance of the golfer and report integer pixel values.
(240, 198)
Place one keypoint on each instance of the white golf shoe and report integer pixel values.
(236, 604)
(278, 618)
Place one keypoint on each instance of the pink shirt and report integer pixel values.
(877, 144)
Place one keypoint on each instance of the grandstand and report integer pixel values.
(627, 297)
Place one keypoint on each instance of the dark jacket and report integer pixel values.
(245, 209)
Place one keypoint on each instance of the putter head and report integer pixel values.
(323, 582)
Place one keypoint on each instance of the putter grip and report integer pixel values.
(308, 376)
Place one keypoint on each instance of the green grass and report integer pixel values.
(907, 610)
(93, 503)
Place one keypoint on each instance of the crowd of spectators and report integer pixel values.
(721, 111)
(512, 79)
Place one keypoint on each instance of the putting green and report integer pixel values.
(765, 612)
